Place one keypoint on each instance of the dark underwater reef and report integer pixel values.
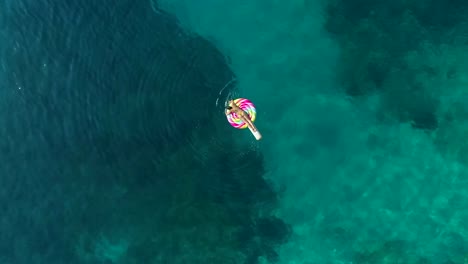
(383, 47)
(377, 37)
(113, 150)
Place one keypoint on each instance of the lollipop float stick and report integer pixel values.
(256, 133)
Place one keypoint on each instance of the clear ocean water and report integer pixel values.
(115, 149)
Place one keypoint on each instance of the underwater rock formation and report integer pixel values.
(376, 39)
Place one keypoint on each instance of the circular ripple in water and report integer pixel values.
(88, 76)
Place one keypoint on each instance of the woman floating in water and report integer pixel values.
(241, 114)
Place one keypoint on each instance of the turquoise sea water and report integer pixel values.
(363, 108)
(115, 148)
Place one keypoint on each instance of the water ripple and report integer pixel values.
(79, 81)
(98, 90)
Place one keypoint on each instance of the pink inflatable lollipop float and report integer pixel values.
(241, 114)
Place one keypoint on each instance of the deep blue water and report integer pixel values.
(110, 149)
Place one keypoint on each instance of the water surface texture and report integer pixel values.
(115, 148)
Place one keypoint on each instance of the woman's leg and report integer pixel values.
(250, 123)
